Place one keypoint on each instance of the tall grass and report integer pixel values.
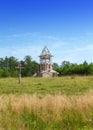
(64, 103)
(46, 112)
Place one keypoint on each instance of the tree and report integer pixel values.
(65, 63)
(5, 72)
(55, 66)
(85, 68)
(90, 68)
(27, 65)
(1, 62)
(34, 67)
(12, 63)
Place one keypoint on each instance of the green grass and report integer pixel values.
(64, 85)
(59, 103)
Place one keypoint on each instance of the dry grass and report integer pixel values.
(70, 112)
(42, 105)
(62, 103)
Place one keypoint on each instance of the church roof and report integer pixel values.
(45, 51)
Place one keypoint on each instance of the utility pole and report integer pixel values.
(19, 67)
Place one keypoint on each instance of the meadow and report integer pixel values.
(59, 103)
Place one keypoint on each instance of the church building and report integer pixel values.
(46, 66)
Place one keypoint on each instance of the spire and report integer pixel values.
(45, 51)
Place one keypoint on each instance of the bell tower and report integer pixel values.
(45, 60)
(46, 67)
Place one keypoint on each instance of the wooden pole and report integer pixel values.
(19, 78)
(19, 72)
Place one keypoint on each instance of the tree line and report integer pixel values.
(67, 68)
(8, 66)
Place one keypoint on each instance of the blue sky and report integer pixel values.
(64, 26)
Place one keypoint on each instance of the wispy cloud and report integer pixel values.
(77, 54)
(80, 49)
(74, 49)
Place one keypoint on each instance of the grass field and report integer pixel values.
(73, 85)
(62, 103)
